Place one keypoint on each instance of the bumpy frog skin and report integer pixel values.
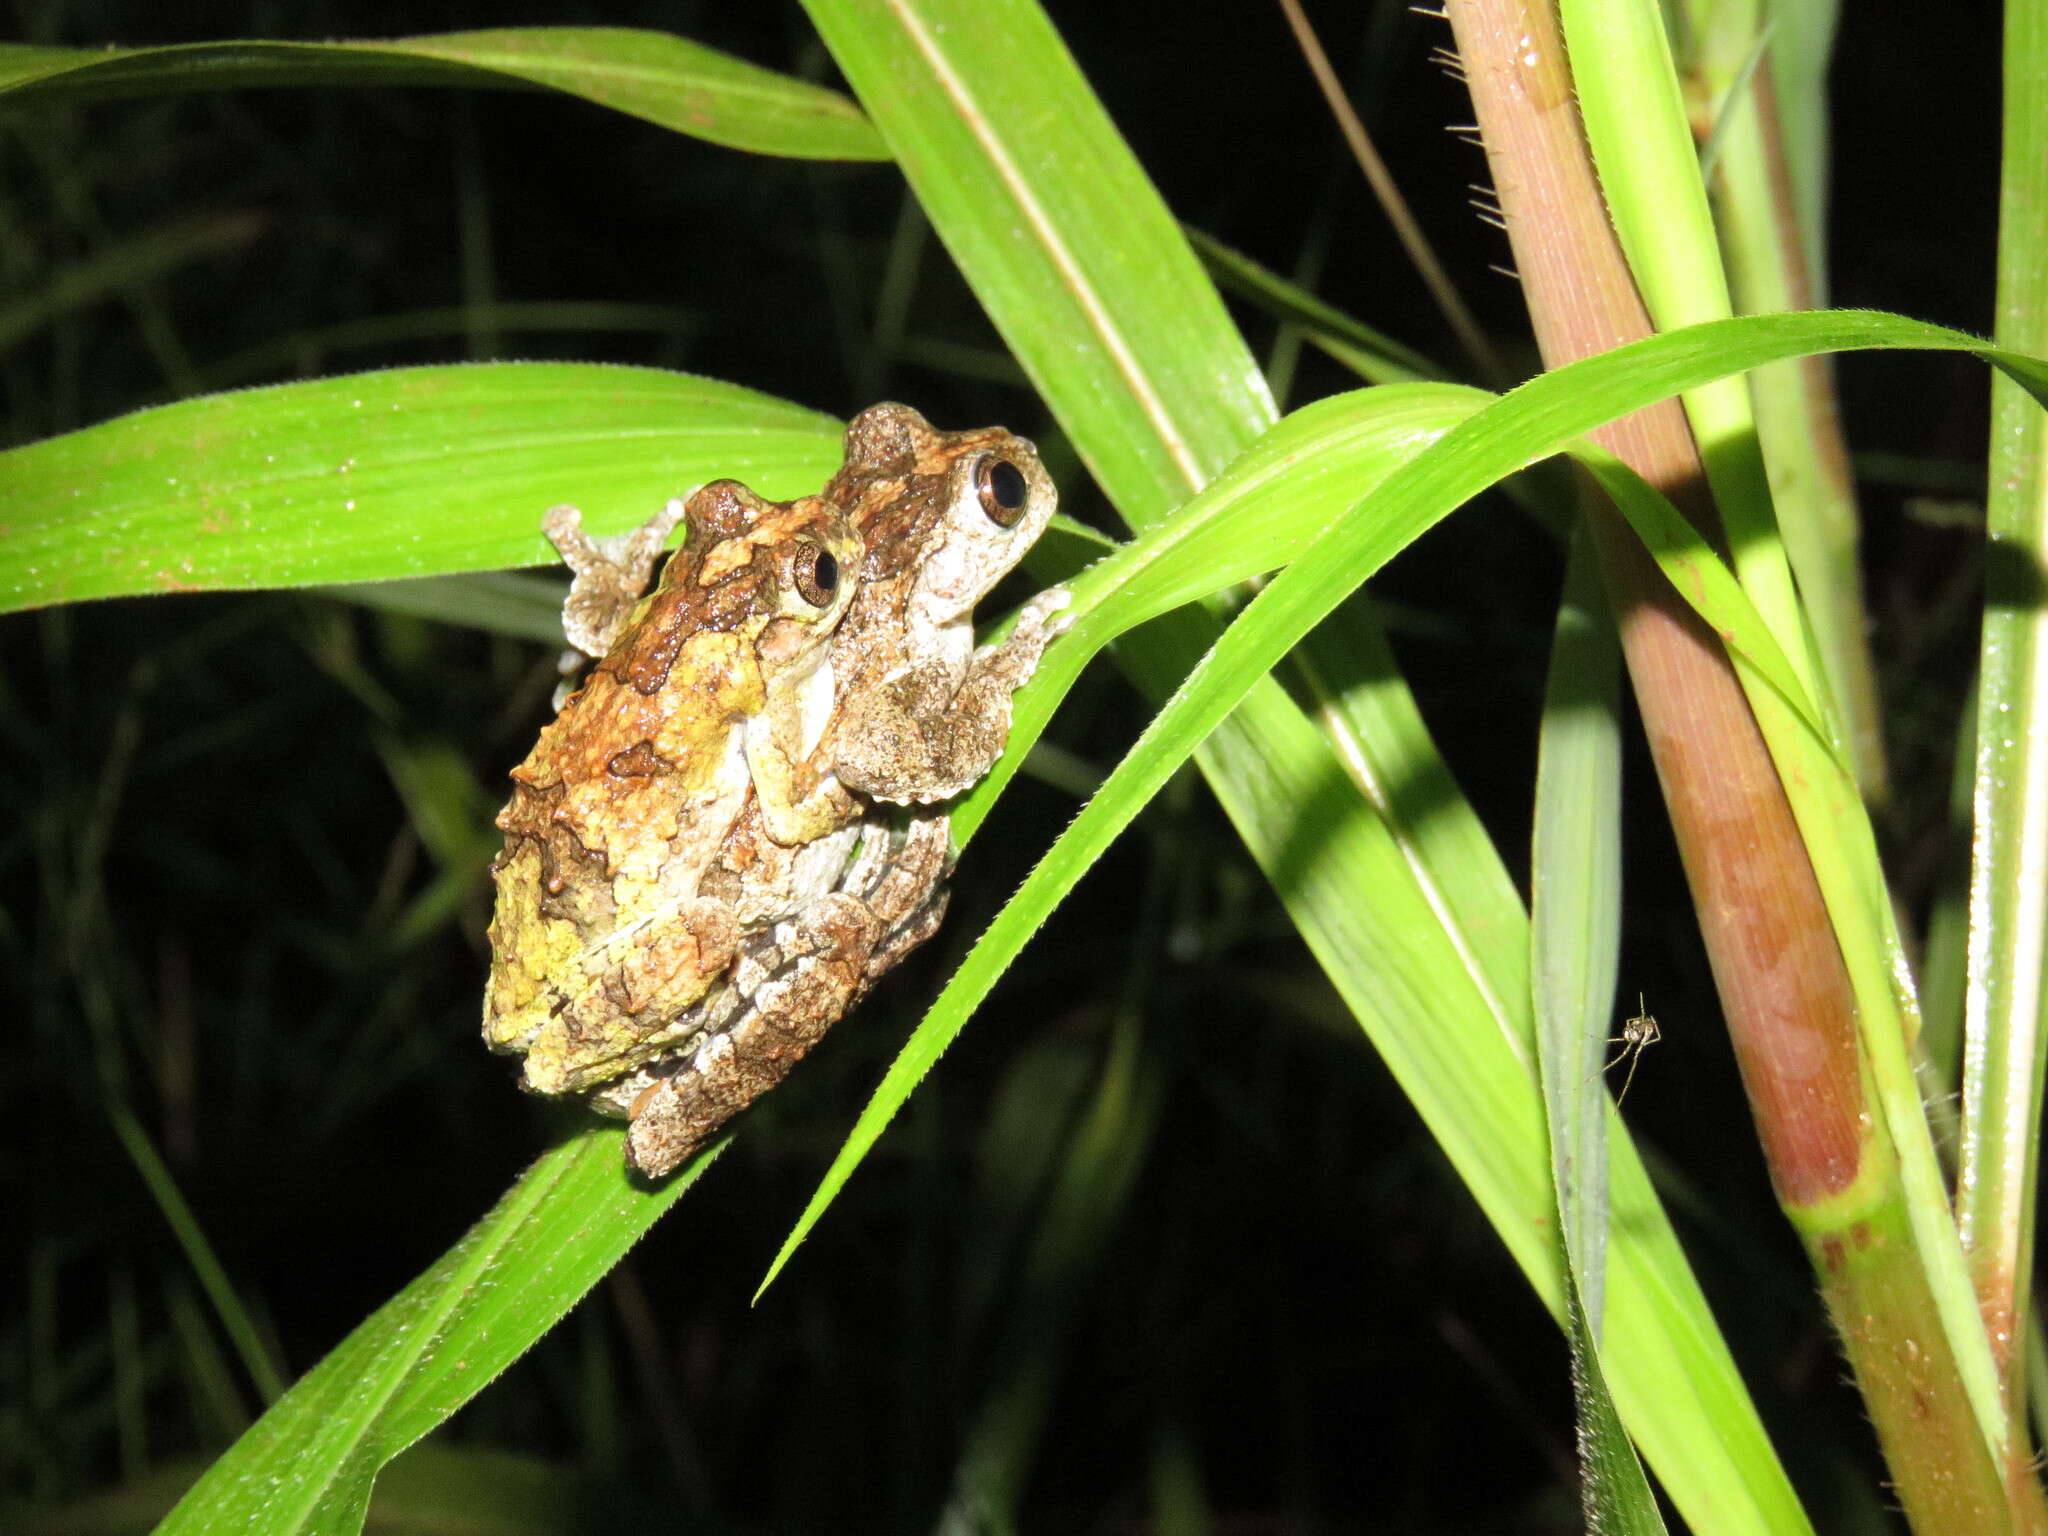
(917, 716)
(710, 695)
(790, 984)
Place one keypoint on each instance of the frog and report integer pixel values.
(918, 715)
(921, 714)
(708, 698)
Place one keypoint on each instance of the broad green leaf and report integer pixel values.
(410, 472)
(1065, 242)
(1575, 911)
(664, 79)
(1253, 518)
(308, 1463)
(1616, 1496)
(1705, 582)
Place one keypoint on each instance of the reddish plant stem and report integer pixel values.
(1784, 988)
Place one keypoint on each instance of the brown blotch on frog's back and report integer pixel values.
(721, 510)
(895, 481)
(735, 601)
(646, 653)
(637, 761)
(881, 440)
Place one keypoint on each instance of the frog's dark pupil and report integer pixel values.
(817, 575)
(1003, 490)
(1006, 483)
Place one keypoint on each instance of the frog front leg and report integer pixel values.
(925, 736)
(609, 575)
(798, 802)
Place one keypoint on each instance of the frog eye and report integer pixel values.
(817, 575)
(1003, 490)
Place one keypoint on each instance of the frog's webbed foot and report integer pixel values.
(610, 574)
(900, 874)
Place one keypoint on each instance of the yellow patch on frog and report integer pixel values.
(520, 995)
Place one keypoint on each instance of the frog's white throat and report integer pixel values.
(814, 699)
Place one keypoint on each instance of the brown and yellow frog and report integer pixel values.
(701, 872)
(711, 692)
(918, 715)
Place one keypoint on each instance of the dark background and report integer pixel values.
(224, 916)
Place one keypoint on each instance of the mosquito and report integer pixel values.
(1637, 1034)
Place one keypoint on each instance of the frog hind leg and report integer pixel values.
(630, 1009)
(826, 959)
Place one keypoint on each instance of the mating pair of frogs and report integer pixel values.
(729, 831)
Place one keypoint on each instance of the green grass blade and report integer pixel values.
(142, 258)
(206, 1266)
(1617, 1495)
(1835, 828)
(409, 472)
(1637, 127)
(1540, 417)
(285, 354)
(1067, 245)
(2006, 1009)
(1575, 911)
(1757, 189)
(307, 1465)
(1083, 271)
(661, 78)
(206, 1377)
(1094, 1170)
(1253, 518)
(1575, 928)
(1376, 356)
